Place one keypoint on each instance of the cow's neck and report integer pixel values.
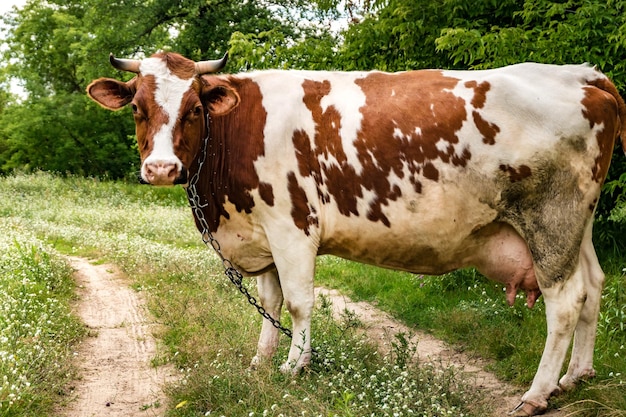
(228, 174)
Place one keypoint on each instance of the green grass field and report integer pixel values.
(209, 332)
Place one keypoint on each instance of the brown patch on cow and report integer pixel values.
(178, 65)
(480, 93)
(267, 193)
(327, 122)
(431, 172)
(302, 144)
(189, 130)
(300, 206)
(312, 218)
(487, 129)
(461, 160)
(375, 213)
(516, 174)
(236, 142)
(307, 163)
(409, 121)
(418, 117)
(417, 185)
(149, 117)
(340, 178)
(601, 106)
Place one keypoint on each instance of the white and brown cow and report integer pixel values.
(424, 171)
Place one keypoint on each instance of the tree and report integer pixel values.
(397, 35)
(306, 40)
(49, 129)
(557, 32)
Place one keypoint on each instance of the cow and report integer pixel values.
(425, 171)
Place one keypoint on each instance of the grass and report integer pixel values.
(209, 331)
(37, 329)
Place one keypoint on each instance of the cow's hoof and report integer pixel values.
(254, 364)
(526, 409)
(567, 383)
(289, 368)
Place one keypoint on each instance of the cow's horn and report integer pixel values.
(204, 67)
(130, 65)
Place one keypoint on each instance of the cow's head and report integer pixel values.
(170, 101)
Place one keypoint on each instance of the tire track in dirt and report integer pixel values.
(114, 360)
(380, 327)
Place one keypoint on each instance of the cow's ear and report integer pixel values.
(111, 94)
(220, 99)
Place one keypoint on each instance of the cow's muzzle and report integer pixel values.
(163, 174)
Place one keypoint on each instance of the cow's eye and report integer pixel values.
(193, 114)
(137, 113)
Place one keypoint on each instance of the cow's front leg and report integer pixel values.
(271, 298)
(296, 279)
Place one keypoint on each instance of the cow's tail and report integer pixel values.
(606, 85)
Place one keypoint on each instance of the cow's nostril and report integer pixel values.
(173, 172)
(182, 178)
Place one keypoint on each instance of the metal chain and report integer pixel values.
(231, 272)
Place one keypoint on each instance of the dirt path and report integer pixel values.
(118, 379)
(114, 360)
(380, 326)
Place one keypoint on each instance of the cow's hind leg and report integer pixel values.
(271, 298)
(581, 362)
(564, 302)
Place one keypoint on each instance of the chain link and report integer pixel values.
(231, 272)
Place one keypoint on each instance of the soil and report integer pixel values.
(114, 361)
(118, 379)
